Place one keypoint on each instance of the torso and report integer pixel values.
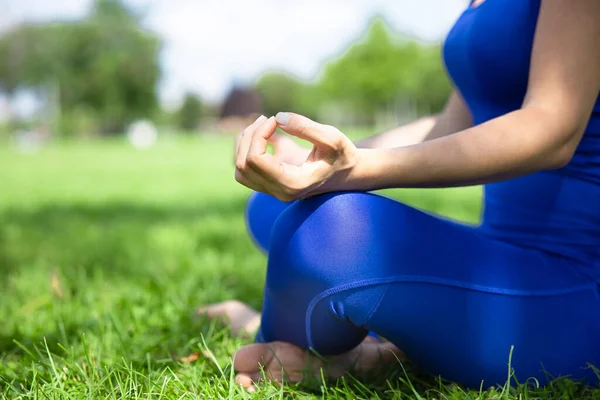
(487, 54)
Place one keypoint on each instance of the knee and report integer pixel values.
(318, 242)
(261, 213)
(315, 250)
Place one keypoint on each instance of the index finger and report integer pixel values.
(243, 142)
(261, 136)
(240, 135)
(258, 158)
(309, 130)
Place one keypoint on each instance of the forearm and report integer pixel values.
(454, 118)
(506, 147)
(405, 135)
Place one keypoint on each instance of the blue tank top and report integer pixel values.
(487, 55)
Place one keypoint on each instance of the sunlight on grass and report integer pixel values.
(105, 253)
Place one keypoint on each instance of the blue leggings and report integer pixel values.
(453, 299)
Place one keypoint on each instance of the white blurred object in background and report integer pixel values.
(32, 140)
(142, 134)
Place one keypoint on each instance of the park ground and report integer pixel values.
(105, 252)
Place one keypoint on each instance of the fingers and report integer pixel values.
(243, 175)
(307, 129)
(260, 170)
(251, 180)
(258, 159)
(259, 140)
(243, 142)
(264, 172)
(236, 150)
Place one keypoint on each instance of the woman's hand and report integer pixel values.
(328, 167)
(286, 150)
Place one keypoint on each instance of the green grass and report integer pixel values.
(104, 254)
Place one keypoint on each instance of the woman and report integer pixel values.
(459, 301)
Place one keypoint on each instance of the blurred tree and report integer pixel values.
(282, 92)
(190, 113)
(12, 54)
(14, 49)
(378, 70)
(106, 63)
(113, 12)
(433, 86)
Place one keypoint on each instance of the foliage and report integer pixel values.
(432, 84)
(103, 70)
(374, 74)
(282, 92)
(105, 63)
(190, 113)
(381, 68)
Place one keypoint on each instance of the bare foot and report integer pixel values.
(277, 361)
(243, 319)
(280, 360)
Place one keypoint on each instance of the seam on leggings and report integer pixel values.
(378, 303)
(435, 281)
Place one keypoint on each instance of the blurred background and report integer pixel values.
(81, 68)
(119, 212)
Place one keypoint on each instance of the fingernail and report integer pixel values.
(283, 118)
(259, 118)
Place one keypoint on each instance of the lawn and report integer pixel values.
(105, 251)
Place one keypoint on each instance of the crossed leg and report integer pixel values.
(453, 299)
(279, 360)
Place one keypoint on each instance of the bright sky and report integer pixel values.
(210, 44)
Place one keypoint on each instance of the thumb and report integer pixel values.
(307, 129)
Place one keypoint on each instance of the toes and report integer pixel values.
(210, 310)
(220, 309)
(367, 358)
(390, 353)
(250, 361)
(371, 339)
(245, 324)
(247, 381)
(277, 360)
(374, 356)
(249, 358)
(242, 319)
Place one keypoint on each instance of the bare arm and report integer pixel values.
(564, 82)
(563, 86)
(454, 118)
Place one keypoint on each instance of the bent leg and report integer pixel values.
(262, 210)
(453, 300)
